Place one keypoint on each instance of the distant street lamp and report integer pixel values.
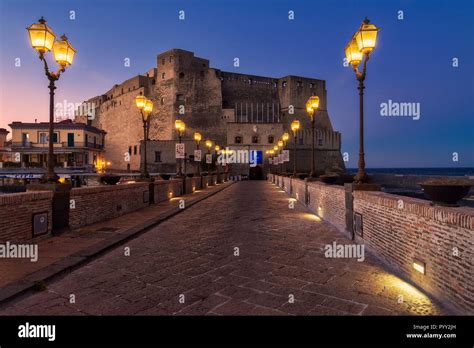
(42, 39)
(312, 106)
(146, 107)
(359, 48)
(180, 127)
(208, 145)
(197, 139)
(295, 126)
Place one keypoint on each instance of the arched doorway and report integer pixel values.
(256, 173)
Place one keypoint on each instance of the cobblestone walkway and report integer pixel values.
(240, 252)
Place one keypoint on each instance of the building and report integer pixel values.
(76, 145)
(237, 110)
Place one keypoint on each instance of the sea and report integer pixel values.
(469, 171)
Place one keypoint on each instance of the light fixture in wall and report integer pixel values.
(419, 266)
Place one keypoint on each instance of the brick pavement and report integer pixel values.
(190, 265)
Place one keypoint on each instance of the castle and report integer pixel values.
(240, 111)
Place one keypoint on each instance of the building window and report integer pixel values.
(157, 156)
(271, 139)
(135, 150)
(283, 84)
(299, 84)
(162, 101)
(311, 85)
(43, 138)
(320, 142)
(55, 138)
(129, 150)
(169, 59)
(163, 76)
(152, 82)
(238, 139)
(181, 75)
(180, 97)
(255, 139)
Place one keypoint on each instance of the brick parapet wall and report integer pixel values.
(93, 204)
(400, 229)
(16, 214)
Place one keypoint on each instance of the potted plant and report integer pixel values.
(446, 191)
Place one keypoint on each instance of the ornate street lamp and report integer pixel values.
(312, 106)
(197, 139)
(146, 107)
(359, 48)
(42, 39)
(180, 127)
(295, 126)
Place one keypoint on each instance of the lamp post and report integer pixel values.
(271, 153)
(311, 107)
(280, 149)
(146, 107)
(295, 126)
(208, 145)
(275, 151)
(197, 139)
(359, 48)
(217, 148)
(180, 127)
(285, 138)
(42, 39)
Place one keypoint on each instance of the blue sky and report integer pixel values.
(412, 62)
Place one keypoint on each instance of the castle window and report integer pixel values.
(169, 59)
(284, 83)
(157, 156)
(320, 142)
(129, 150)
(181, 75)
(299, 84)
(238, 139)
(163, 75)
(271, 139)
(255, 139)
(162, 101)
(274, 84)
(203, 65)
(179, 97)
(153, 81)
(135, 150)
(311, 85)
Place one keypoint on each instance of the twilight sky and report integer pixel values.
(411, 64)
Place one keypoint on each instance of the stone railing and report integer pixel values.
(402, 232)
(29, 215)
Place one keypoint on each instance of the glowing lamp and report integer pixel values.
(148, 108)
(366, 37)
(312, 105)
(209, 143)
(285, 136)
(217, 148)
(295, 126)
(353, 54)
(197, 137)
(140, 101)
(419, 266)
(63, 51)
(280, 143)
(275, 148)
(41, 36)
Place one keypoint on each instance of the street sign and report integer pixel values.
(179, 150)
(197, 155)
(209, 158)
(286, 155)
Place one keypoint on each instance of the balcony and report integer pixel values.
(64, 144)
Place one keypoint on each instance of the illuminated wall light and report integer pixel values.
(420, 266)
(170, 194)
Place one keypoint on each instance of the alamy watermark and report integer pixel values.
(249, 157)
(19, 251)
(68, 109)
(345, 251)
(391, 108)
